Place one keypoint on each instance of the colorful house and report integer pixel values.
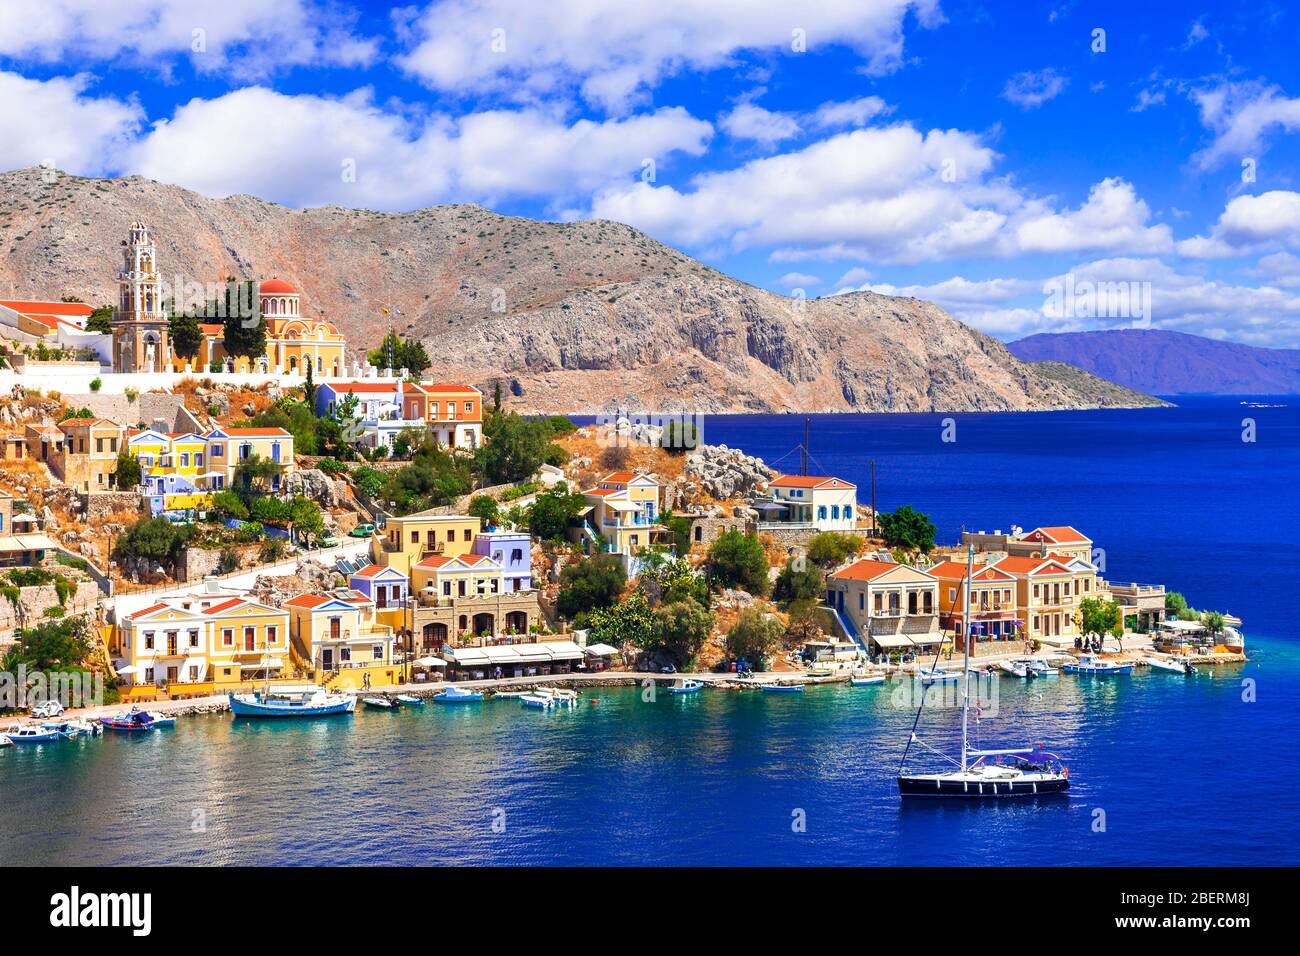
(338, 635)
(468, 596)
(227, 448)
(625, 510)
(991, 605)
(405, 540)
(1057, 539)
(892, 607)
(452, 413)
(88, 461)
(1048, 592)
(378, 414)
(809, 501)
(388, 588)
(513, 550)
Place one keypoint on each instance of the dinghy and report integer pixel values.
(867, 680)
(1039, 668)
(1014, 668)
(379, 703)
(783, 688)
(685, 685)
(1167, 664)
(409, 699)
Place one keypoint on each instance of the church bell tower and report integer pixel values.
(140, 342)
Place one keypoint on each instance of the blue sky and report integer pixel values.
(984, 155)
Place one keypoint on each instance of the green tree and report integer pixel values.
(753, 637)
(552, 510)
(737, 560)
(154, 539)
(679, 532)
(1175, 603)
(681, 628)
(624, 622)
(665, 582)
(309, 389)
(369, 481)
(484, 507)
(414, 358)
(50, 646)
(1098, 617)
(244, 327)
(831, 548)
(128, 473)
(253, 475)
(101, 320)
(587, 585)
(513, 448)
(679, 437)
(306, 519)
(434, 477)
(1213, 622)
(908, 529)
(185, 335)
(798, 581)
(226, 502)
(390, 353)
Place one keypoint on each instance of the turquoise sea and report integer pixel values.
(1165, 769)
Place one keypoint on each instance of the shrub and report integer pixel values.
(737, 559)
(909, 529)
(798, 581)
(484, 507)
(681, 628)
(131, 393)
(128, 474)
(228, 561)
(753, 637)
(594, 583)
(332, 467)
(96, 384)
(830, 548)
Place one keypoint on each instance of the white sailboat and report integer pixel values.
(982, 774)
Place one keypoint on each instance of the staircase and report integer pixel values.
(850, 630)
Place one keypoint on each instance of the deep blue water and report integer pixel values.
(1181, 771)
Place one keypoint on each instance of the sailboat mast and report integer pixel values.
(965, 668)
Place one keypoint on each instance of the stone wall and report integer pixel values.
(33, 602)
(146, 407)
(101, 504)
(706, 528)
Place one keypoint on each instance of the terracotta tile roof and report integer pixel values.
(224, 606)
(339, 388)
(1030, 566)
(866, 569)
(27, 306)
(950, 570)
(75, 422)
(1059, 534)
(370, 570)
(809, 481)
(256, 432)
(602, 492)
(622, 477)
(148, 610)
(306, 600)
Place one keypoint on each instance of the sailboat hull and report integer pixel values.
(953, 787)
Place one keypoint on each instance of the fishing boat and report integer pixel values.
(1167, 664)
(409, 699)
(866, 680)
(1091, 664)
(1039, 668)
(1014, 668)
(458, 695)
(981, 774)
(136, 721)
(306, 700)
(159, 719)
(936, 675)
(685, 685)
(546, 697)
(783, 688)
(5, 741)
(379, 703)
(31, 734)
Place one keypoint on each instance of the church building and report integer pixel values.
(140, 342)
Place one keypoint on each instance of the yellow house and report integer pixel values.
(1048, 593)
(228, 447)
(338, 636)
(199, 643)
(404, 541)
(625, 508)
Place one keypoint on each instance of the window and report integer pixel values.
(272, 633)
(878, 604)
(227, 637)
(821, 512)
(862, 600)
(446, 588)
(415, 537)
(1035, 590)
(929, 602)
(148, 675)
(952, 595)
(194, 674)
(148, 640)
(911, 602)
(194, 637)
(379, 652)
(469, 408)
(517, 555)
(112, 445)
(99, 446)
(216, 451)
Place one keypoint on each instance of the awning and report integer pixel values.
(431, 662)
(469, 655)
(769, 506)
(600, 650)
(622, 505)
(902, 640)
(563, 650)
(532, 652)
(26, 542)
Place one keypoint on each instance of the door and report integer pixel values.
(327, 658)
(381, 596)
(250, 639)
(335, 628)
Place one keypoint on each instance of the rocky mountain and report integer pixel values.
(1169, 363)
(569, 317)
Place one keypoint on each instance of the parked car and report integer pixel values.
(362, 531)
(50, 708)
(328, 540)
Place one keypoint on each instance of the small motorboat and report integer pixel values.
(380, 703)
(866, 680)
(1039, 668)
(306, 700)
(1093, 665)
(135, 721)
(31, 734)
(5, 741)
(934, 675)
(546, 697)
(159, 719)
(409, 700)
(458, 695)
(76, 727)
(1014, 668)
(685, 685)
(783, 688)
(1168, 664)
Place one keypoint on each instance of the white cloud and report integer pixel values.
(1032, 89)
(1247, 223)
(1147, 99)
(793, 280)
(857, 276)
(1241, 115)
(243, 38)
(959, 292)
(1113, 218)
(299, 149)
(612, 56)
(752, 122)
(54, 121)
(858, 112)
(1280, 267)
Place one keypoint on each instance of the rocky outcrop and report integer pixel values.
(314, 484)
(309, 576)
(726, 473)
(573, 317)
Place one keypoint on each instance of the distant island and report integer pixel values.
(1161, 362)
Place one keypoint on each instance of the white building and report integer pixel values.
(810, 501)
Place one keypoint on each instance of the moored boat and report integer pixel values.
(685, 685)
(866, 680)
(458, 695)
(1014, 668)
(936, 675)
(76, 727)
(409, 699)
(783, 688)
(31, 734)
(1038, 667)
(1091, 664)
(380, 703)
(1168, 664)
(306, 700)
(136, 721)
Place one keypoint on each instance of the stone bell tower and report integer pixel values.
(140, 342)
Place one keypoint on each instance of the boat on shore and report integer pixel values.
(685, 685)
(458, 695)
(1093, 665)
(303, 701)
(1168, 664)
(981, 774)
